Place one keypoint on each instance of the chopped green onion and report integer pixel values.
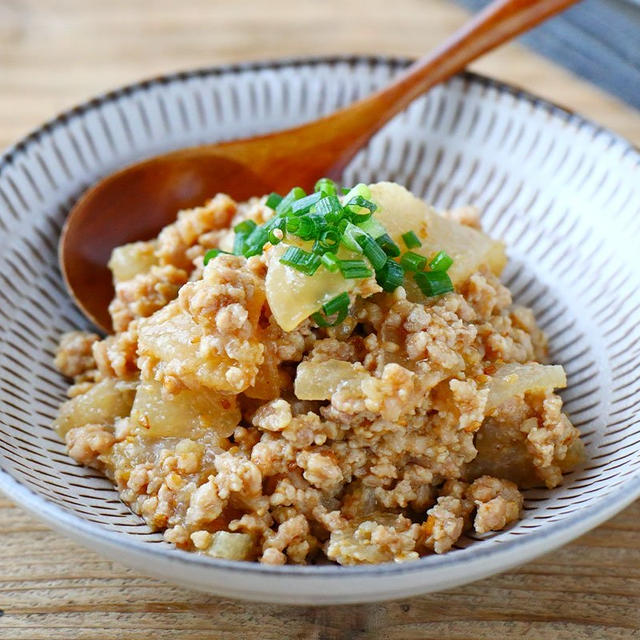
(352, 269)
(372, 250)
(308, 228)
(211, 254)
(329, 239)
(355, 205)
(284, 206)
(433, 283)
(239, 243)
(350, 236)
(273, 200)
(411, 240)
(245, 227)
(338, 305)
(440, 262)
(341, 301)
(345, 190)
(360, 189)
(412, 261)
(329, 206)
(302, 206)
(301, 260)
(330, 261)
(255, 242)
(276, 236)
(372, 227)
(388, 245)
(292, 225)
(391, 276)
(326, 186)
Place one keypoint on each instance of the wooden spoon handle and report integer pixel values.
(499, 22)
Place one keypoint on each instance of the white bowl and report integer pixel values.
(562, 192)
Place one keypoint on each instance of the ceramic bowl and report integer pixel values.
(563, 193)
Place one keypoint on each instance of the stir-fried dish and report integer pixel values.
(335, 376)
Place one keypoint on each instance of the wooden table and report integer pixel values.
(54, 53)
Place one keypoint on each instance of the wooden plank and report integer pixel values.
(52, 589)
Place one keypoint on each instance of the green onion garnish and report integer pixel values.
(329, 205)
(338, 305)
(301, 206)
(440, 262)
(255, 241)
(326, 186)
(328, 220)
(373, 251)
(352, 269)
(413, 261)
(360, 209)
(273, 200)
(329, 239)
(372, 227)
(360, 189)
(301, 260)
(433, 283)
(350, 235)
(391, 276)
(284, 206)
(411, 240)
(245, 227)
(211, 254)
(308, 229)
(330, 261)
(276, 236)
(388, 245)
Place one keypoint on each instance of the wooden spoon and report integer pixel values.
(136, 202)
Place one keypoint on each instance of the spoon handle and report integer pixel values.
(499, 22)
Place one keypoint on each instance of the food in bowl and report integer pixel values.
(325, 377)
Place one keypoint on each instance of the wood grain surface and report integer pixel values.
(55, 53)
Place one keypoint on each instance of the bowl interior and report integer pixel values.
(562, 193)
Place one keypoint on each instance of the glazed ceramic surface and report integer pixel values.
(563, 193)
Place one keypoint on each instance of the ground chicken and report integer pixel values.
(400, 458)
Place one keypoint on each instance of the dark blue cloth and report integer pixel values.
(597, 39)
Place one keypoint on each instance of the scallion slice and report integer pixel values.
(360, 189)
(329, 239)
(329, 206)
(388, 245)
(412, 261)
(303, 205)
(255, 242)
(411, 240)
(372, 227)
(308, 229)
(301, 260)
(330, 261)
(440, 262)
(372, 251)
(350, 236)
(338, 306)
(326, 186)
(360, 202)
(352, 269)
(391, 276)
(245, 227)
(273, 200)
(276, 236)
(433, 283)
(284, 206)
